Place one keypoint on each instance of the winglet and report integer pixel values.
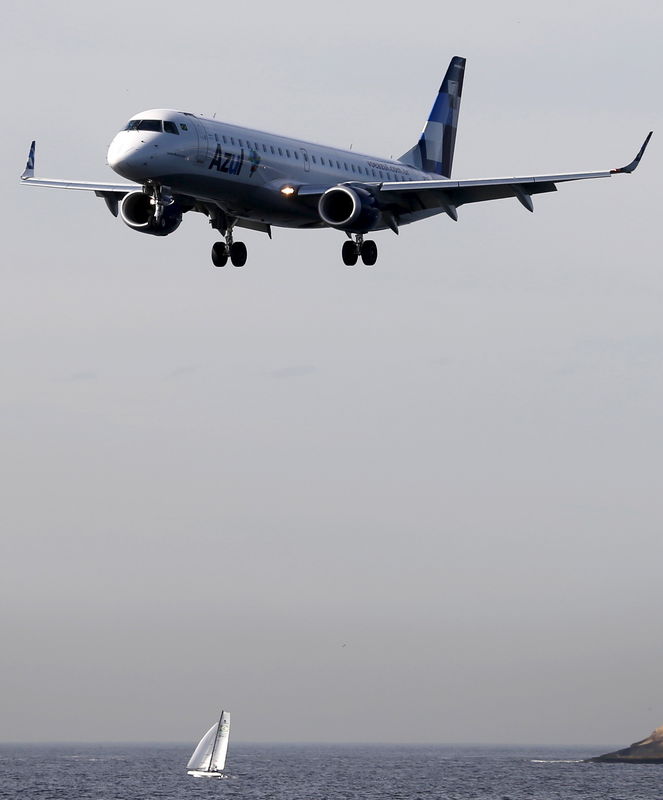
(29, 171)
(632, 166)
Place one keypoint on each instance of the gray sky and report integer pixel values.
(319, 496)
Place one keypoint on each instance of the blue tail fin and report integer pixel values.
(434, 152)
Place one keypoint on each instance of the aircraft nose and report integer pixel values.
(126, 158)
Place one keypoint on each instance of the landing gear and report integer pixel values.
(369, 252)
(352, 250)
(222, 251)
(161, 198)
(350, 254)
(238, 254)
(219, 254)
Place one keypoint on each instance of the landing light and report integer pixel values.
(288, 191)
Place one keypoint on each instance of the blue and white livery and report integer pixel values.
(177, 162)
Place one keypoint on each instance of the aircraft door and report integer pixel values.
(307, 162)
(203, 141)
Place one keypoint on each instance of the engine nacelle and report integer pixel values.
(350, 208)
(137, 211)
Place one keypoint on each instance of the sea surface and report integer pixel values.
(312, 772)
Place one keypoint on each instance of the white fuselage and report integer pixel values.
(243, 170)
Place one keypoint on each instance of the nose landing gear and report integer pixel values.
(366, 248)
(160, 198)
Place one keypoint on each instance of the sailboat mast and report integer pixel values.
(216, 741)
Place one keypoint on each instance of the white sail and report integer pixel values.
(218, 760)
(202, 754)
(210, 755)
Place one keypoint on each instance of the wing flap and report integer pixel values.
(476, 183)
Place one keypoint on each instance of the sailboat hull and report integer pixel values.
(203, 773)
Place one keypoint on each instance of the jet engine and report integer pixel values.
(137, 211)
(351, 208)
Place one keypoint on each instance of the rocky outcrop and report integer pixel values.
(648, 751)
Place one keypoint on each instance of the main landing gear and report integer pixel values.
(235, 251)
(366, 248)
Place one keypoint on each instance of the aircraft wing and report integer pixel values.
(28, 177)
(449, 194)
(55, 183)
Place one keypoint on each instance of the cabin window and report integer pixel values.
(313, 160)
(257, 146)
(353, 168)
(280, 152)
(170, 127)
(287, 152)
(232, 140)
(264, 148)
(322, 161)
(296, 155)
(338, 165)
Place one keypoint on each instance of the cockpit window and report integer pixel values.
(144, 125)
(150, 125)
(170, 127)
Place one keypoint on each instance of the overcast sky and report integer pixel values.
(415, 503)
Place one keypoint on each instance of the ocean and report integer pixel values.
(317, 772)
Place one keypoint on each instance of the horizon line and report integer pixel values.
(286, 743)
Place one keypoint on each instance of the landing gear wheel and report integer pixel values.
(238, 254)
(219, 254)
(369, 252)
(350, 254)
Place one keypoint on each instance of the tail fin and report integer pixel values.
(434, 152)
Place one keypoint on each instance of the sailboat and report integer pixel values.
(209, 758)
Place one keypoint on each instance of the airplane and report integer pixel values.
(178, 162)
